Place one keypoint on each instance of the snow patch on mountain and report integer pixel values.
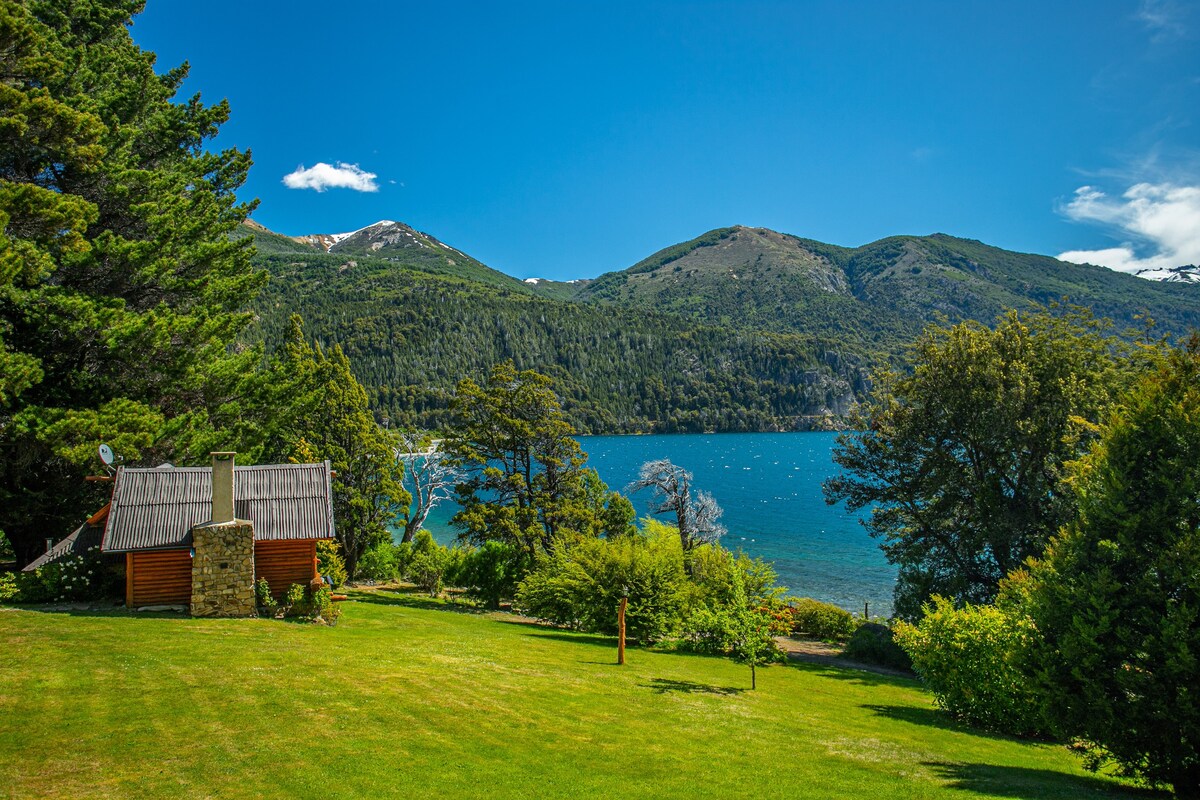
(1189, 273)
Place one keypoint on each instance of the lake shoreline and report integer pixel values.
(769, 486)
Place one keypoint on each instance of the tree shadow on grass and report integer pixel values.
(850, 673)
(526, 622)
(575, 638)
(666, 685)
(1032, 784)
(107, 611)
(413, 599)
(936, 718)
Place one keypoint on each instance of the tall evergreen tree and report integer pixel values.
(322, 413)
(525, 480)
(120, 291)
(1116, 600)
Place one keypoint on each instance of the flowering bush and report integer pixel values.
(74, 577)
(778, 615)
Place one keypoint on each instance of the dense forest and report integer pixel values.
(740, 329)
(412, 336)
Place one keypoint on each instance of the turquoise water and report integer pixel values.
(769, 485)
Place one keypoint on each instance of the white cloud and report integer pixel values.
(322, 176)
(1160, 222)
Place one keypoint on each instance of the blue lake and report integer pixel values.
(769, 485)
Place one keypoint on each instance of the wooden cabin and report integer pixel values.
(154, 512)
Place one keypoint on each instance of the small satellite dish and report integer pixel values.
(106, 455)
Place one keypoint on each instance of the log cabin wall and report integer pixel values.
(158, 578)
(284, 562)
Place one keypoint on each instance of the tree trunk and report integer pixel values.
(412, 526)
(753, 677)
(621, 631)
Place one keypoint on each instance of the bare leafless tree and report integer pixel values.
(428, 474)
(696, 517)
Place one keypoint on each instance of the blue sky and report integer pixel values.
(566, 139)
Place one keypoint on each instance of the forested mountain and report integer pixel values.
(412, 336)
(389, 241)
(878, 295)
(739, 329)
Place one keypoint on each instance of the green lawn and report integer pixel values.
(409, 698)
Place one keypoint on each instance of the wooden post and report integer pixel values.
(621, 631)
(866, 611)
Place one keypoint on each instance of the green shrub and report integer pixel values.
(9, 590)
(263, 598)
(427, 570)
(708, 630)
(430, 563)
(330, 562)
(582, 583)
(819, 620)
(874, 643)
(490, 573)
(320, 605)
(423, 542)
(715, 570)
(295, 601)
(403, 554)
(378, 563)
(969, 657)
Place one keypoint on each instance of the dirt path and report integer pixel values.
(830, 655)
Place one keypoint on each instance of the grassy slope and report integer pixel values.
(269, 242)
(404, 699)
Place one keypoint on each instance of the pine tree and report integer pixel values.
(322, 413)
(1116, 599)
(120, 291)
(525, 480)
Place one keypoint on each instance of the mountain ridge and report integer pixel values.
(738, 329)
(379, 235)
(387, 240)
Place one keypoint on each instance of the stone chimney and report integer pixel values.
(222, 487)
(223, 552)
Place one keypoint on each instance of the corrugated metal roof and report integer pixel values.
(83, 539)
(157, 508)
